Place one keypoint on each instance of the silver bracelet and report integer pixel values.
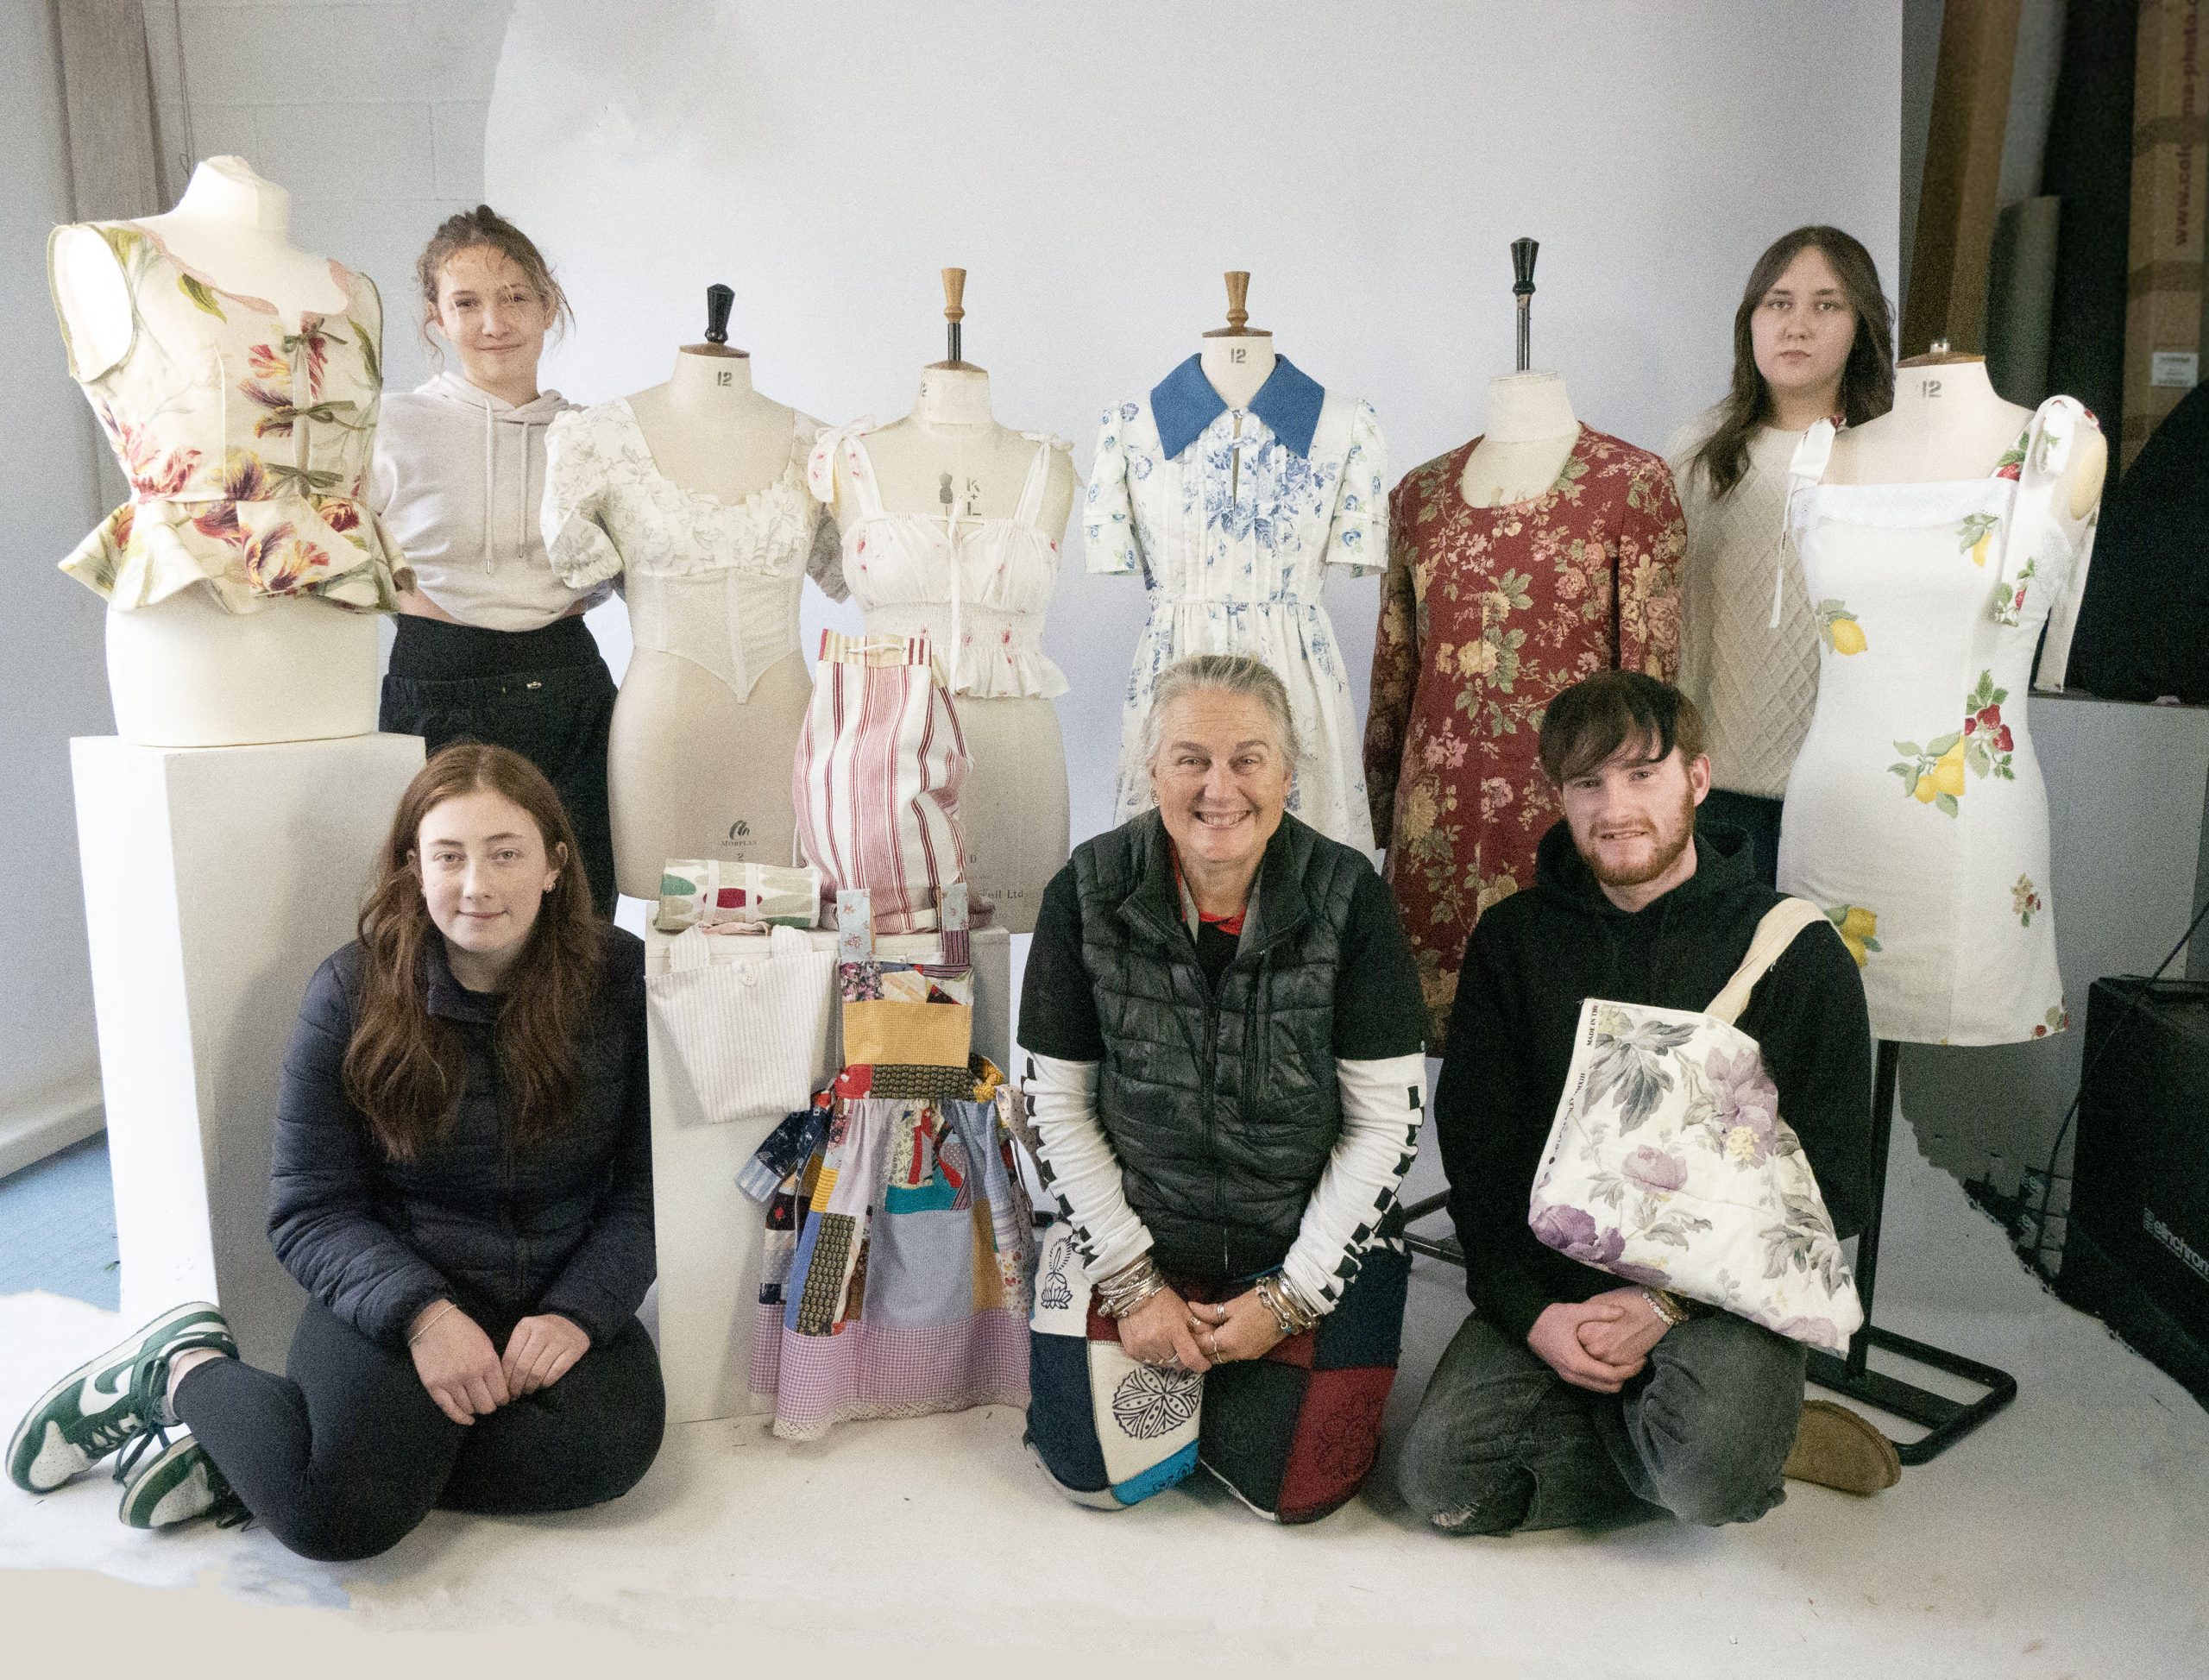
(435, 1320)
(1130, 1286)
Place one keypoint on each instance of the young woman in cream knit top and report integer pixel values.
(1812, 338)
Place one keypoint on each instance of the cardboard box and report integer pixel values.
(2164, 315)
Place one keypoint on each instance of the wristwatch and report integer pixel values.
(1667, 1305)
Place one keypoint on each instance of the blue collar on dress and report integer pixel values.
(1183, 404)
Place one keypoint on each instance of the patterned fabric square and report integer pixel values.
(1337, 1436)
(827, 1271)
(905, 1080)
(1250, 1413)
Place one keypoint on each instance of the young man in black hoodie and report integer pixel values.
(1568, 1398)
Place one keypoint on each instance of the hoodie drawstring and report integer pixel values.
(490, 454)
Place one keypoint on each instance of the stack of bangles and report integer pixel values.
(1133, 1285)
(1293, 1314)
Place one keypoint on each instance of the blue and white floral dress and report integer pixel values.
(1232, 516)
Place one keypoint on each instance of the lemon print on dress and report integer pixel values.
(1838, 628)
(1976, 536)
(1859, 928)
(1933, 774)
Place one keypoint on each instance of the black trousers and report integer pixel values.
(344, 1457)
(544, 693)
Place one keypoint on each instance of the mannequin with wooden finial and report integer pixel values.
(959, 542)
(1531, 427)
(696, 769)
(1237, 359)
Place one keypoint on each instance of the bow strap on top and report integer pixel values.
(1803, 473)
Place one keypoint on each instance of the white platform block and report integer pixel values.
(708, 1233)
(216, 881)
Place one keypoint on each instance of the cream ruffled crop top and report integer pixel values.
(711, 581)
(977, 587)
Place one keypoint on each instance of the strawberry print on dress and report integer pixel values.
(1487, 614)
(246, 440)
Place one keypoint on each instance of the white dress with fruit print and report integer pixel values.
(1916, 816)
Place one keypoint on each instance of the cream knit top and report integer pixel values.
(1756, 686)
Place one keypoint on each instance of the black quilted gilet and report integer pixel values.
(1222, 1106)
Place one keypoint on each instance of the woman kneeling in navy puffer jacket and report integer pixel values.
(462, 1185)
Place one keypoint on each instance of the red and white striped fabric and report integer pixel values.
(879, 768)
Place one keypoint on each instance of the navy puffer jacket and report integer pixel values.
(565, 1226)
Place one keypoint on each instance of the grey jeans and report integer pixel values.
(1503, 1443)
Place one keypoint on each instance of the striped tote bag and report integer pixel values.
(880, 764)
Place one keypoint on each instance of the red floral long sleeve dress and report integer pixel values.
(1486, 614)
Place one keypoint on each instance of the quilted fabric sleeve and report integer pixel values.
(576, 537)
(1358, 538)
(1108, 513)
(1652, 539)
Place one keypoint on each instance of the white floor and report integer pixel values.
(2069, 1537)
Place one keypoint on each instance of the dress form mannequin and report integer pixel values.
(1014, 806)
(1948, 423)
(184, 671)
(693, 770)
(1237, 359)
(1530, 431)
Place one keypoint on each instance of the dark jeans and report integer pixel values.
(341, 1458)
(1758, 818)
(544, 693)
(1503, 1443)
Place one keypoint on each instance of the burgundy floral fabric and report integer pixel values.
(1487, 614)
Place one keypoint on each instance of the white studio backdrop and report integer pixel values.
(1095, 168)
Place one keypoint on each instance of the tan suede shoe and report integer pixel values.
(1836, 1448)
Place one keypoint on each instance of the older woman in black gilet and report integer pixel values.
(1222, 1029)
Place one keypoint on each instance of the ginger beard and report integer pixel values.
(1630, 852)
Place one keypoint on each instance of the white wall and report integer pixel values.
(52, 684)
(1095, 169)
(369, 112)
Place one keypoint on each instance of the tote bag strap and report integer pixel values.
(1775, 933)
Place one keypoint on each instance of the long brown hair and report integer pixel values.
(1867, 379)
(468, 228)
(405, 1067)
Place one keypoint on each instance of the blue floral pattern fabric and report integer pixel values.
(1232, 537)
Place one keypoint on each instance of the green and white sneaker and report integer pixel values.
(108, 1402)
(175, 1485)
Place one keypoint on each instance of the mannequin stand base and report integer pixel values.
(1434, 1248)
(1946, 1421)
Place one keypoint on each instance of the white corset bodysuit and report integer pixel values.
(714, 582)
(977, 589)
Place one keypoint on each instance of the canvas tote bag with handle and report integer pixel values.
(1669, 1164)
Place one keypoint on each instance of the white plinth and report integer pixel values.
(216, 881)
(708, 1231)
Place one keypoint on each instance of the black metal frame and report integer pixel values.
(1946, 1421)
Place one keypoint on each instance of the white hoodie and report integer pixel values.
(457, 477)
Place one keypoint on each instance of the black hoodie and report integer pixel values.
(1531, 960)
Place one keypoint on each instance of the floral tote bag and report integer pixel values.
(880, 764)
(1669, 1164)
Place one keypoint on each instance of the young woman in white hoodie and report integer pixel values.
(491, 644)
